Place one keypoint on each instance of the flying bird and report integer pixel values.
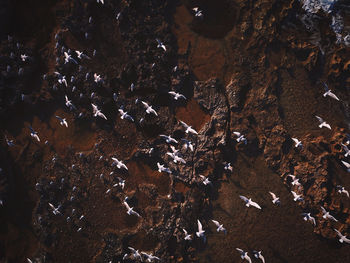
(296, 196)
(346, 149)
(323, 123)
(63, 121)
(342, 190)
(162, 168)
(240, 137)
(275, 199)
(97, 112)
(188, 128)
(69, 104)
(125, 115)
(68, 58)
(244, 255)
(160, 44)
(10, 143)
(249, 202)
(55, 210)
(295, 180)
(119, 164)
(34, 134)
(149, 108)
(200, 232)
(205, 180)
(187, 236)
(135, 253)
(188, 144)
(327, 215)
(347, 165)
(308, 217)
(329, 93)
(150, 257)
(258, 254)
(97, 78)
(24, 57)
(176, 158)
(228, 167)
(130, 209)
(220, 227)
(342, 238)
(177, 95)
(101, 1)
(168, 139)
(298, 143)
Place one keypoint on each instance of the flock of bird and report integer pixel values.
(68, 56)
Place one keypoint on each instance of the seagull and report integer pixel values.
(62, 80)
(150, 257)
(97, 112)
(132, 87)
(69, 103)
(297, 197)
(327, 215)
(177, 95)
(275, 199)
(130, 209)
(34, 134)
(97, 78)
(162, 168)
(119, 164)
(323, 123)
(342, 238)
(200, 232)
(168, 139)
(244, 255)
(219, 227)
(346, 149)
(228, 167)
(176, 158)
(308, 217)
(295, 180)
(249, 202)
(121, 183)
(188, 128)
(205, 180)
(297, 143)
(347, 165)
(329, 92)
(187, 236)
(149, 108)
(29, 261)
(9, 142)
(24, 57)
(63, 122)
(258, 254)
(101, 1)
(188, 145)
(341, 190)
(197, 12)
(160, 44)
(241, 137)
(125, 115)
(81, 55)
(55, 210)
(135, 253)
(68, 58)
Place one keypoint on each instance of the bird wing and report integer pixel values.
(245, 199)
(127, 116)
(347, 165)
(94, 108)
(126, 205)
(255, 204)
(323, 210)
(58, 117)
(294, 194)
(216, 223)
(184, 124)
(237, 133)
(200, 228)
(345, 148)
(273, 195)
(132, 249)
(295, 140)
(52, 206)
(319, 119)
(145, 104)
(332, 95)
(240, 250)
(185, 231)
(172, 93)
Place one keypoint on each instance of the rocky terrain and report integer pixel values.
(255, 67)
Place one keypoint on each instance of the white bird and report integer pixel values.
(308, 217)
(342, 190)
(34, 134)
(228, 167)
(295, 180)
(187, 236)
(188, 145)
(101, 1)
(176, 158)
(168, 139)
(150, 257)
(160, 44)
(327, 215)
(81, 55)
(329, 93)
(200, 232)
(97, 112)
(68, 58)
(177, 95)
(162, 168)
(275, 199)
(61, 79)
(135, 253)
(205, 180)
(69, 103)
(342, 238)
(323, 123)
(244, 255)
(9, 142)
(130, 209)
(296, 196)
(297, 143)
(258, 254)
(149, 108)
(249, 202)
(29, 261)
(125, 115)
(121, 183)
(188, 128)
(346, 149)
(97, 78)
(241, 137)
(24, 57)
(119, 164)
(347, 165)
(55, 210)
(220, 227)
(63, 121)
